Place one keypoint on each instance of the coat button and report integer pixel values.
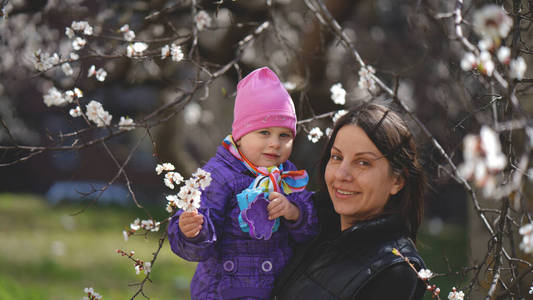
(228, 266)
(266, 266)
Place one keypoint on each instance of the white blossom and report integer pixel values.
(176, 53)
(69, 96)
(168, 182)
(485, 44)
(188, 198)
(74, 56)
(75, 112)
(82, 26)
(192, 113)
(96, 113)
(91, 294)
(169, 208)
(69, 32)
(124, 28)
(78, 92)
(136, 225)
(44, 61)
(486, 65)
(177, 178)
(491, 21)
(469, 61)
(329, 131)
(150, 225)
(172, 178)
(164, 167)
(504, 55)
(315, 134)
(456, 295)
(338, 115)
(338, 94)
(366, 82)
(54, 98)
(290, 86)
(67, 69)
(202, 20)
(527, 240)
(425, 274)
(88, 30)
(147, 267)
(129, 35)
(91, 71)
(202, 177)
(136, 49)
(517, 68)
(101, 74)
(78, 43)
(483, 159)
(165, 51)
(531, 289)
(172, 202)
(125, 235)
(126, 124)
(490, 143)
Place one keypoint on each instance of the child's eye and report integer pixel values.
(264, 132)
(285, 135)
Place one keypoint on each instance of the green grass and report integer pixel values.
(85, 253)
(46, 253)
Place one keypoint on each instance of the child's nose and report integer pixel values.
(275, 142)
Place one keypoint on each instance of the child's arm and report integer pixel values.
(196, 242)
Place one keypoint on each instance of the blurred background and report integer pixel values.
(56, 239)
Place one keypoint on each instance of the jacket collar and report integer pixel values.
(378, 229)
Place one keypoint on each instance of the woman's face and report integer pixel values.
(359, 178)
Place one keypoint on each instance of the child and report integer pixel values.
(241, 239)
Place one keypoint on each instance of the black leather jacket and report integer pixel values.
(357, 263)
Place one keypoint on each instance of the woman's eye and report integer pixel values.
(363, 163)
(335, 157)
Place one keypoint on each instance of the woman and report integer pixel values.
(374, 204)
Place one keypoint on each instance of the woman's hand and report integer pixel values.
(280, 206)
(190, 223)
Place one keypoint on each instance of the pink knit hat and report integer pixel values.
(262, 102)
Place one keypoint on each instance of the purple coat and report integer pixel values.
(231, 263)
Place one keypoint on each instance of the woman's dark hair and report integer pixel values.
(394, 140)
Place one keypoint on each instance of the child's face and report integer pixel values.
(267, 147)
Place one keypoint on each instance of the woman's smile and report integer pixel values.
(340, 193)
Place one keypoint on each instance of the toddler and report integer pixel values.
(256, 207)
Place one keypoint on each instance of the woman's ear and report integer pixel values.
(397, 186)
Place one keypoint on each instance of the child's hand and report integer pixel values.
(279, 206)
(190, 223)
